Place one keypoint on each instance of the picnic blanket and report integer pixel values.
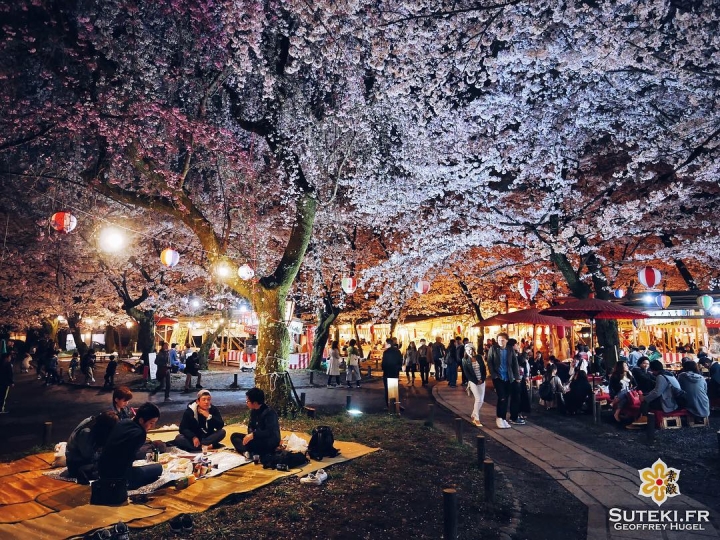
(35, 506)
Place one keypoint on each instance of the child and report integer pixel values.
(110, 372)
(25, 366)
(74, 364)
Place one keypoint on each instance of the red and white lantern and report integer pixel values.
(422, 286)
(169, 257)
(705, 302)
(649, 277)
(348, 284)
(662, 301)
(528, 288)
(63, 222)
(245, 272)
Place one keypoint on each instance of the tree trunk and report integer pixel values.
(111, 340)
(322, 333)
(206, 345)
(146, 331)
(357, 338)
(74, 324)
(50, 328)
(478, 314)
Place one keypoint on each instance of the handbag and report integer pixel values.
(633, 399)
(109, 491)
(343, 364)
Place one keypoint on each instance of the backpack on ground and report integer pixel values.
(321, 443)
(545, 391)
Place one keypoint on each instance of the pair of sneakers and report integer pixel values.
(501, 423)
(182, 523)
(119, 531)
(316, 478)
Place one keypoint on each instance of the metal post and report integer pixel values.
(302, 399)
(450, 526)
(312, 376)
(459, 430)
(650, 428)
(234, 383)
(593, 402)
(598, 412)
(397, 407)
(47, 434)
(431, 415)
(489, 478)
(348, 399)
(369, 372)
(480, 440)
(167, 386)
(718, 438)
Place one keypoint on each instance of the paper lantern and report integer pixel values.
(348, 284)
(662, 301)
(169, 257)
(649, 276)
(245, 272)
(63, 222)
(528, 288)
(422, 286)
(705, 302)
(619, 292)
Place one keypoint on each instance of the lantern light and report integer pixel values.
(222, 269)
(662, 301)
(422, 286)
(619, 292)
(649, 276)
(169, 257)
(111, 239)
(705, 302)
(63, 222)
(245, 272)
(528, 288)
(348, 284)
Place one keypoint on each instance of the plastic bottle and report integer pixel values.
(182, 483)
(156, 455)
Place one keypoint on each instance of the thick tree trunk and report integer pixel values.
(111, 340)
(74, 324)
(478, 314)
(208, 342)
(322, 333)
(146, 331)
(357, 338)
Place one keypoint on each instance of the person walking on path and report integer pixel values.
(424, 360)
(392, 361)
(438, 353)
(410, 362)
(503, 364)
(473, 367)
(353, 365)
(162, 361)
(86, 366)
(110, 372)
(6, 380)
(333, 365)
(191, 370)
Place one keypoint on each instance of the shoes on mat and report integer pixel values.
(315, 479)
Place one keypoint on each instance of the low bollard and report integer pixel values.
(47, 434)
(593, 404)
(650, 428)
(459, 430)
(167, 386)
(312, 376)
(369, 372)
(598, 412)
(348, 400)
(310, 411)
(718, 437)
(302, 399)
(234, 383)
(397, 407)
(489, 479)
(431, 415)
(450, 525)
(480, 440)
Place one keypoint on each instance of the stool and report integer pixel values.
(694, 421)
(671, 420)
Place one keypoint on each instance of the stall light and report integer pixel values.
(649, 298)
(243, 308)
(715, 310)
(129, 324)
(112, 239)
(354, 412)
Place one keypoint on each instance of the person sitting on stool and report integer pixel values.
(201, 425)
(263, 429)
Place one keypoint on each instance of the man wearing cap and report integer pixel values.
(201, 425)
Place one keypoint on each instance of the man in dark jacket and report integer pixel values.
(121, 447)
(263, 429)
(201, 425)
(643, 378)
(438, 353)
(392, 361)
(504, 370)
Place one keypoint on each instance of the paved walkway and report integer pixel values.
(600, 482)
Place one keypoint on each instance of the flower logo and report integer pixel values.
(659, 482)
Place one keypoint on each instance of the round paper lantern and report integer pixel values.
(662, 301)
(348, 284)
(649, 276)
(169, 257)
(63, 222)
(528, 288)
(619, 292)
(705, 302)
(245, 272)
(422, 286)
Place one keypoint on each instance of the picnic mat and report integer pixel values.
(35, 506)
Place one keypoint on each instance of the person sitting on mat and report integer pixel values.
(263, 429)
(201, 425)
(85, 444)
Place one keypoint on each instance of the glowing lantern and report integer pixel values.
(422, 286)
(649, 276)
(705, 302)
(63, 222)
(662, 301)
(169, 257)
(348, 284)
(619, 292)
(245, 272)
(528, 288)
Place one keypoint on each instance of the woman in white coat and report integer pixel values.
(333, 365)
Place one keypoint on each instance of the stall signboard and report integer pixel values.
(712, 323)
(250, 329)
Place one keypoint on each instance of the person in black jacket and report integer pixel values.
(201, 425)
(644, 379)
(392, 362)
(473, 367)
(6, 380)
(84, 446)
(580, 392)
(122, 445)
(263, 429)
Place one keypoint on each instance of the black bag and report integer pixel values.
(545, 391)
(109, 491)
(292, 460)
(321, 443)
